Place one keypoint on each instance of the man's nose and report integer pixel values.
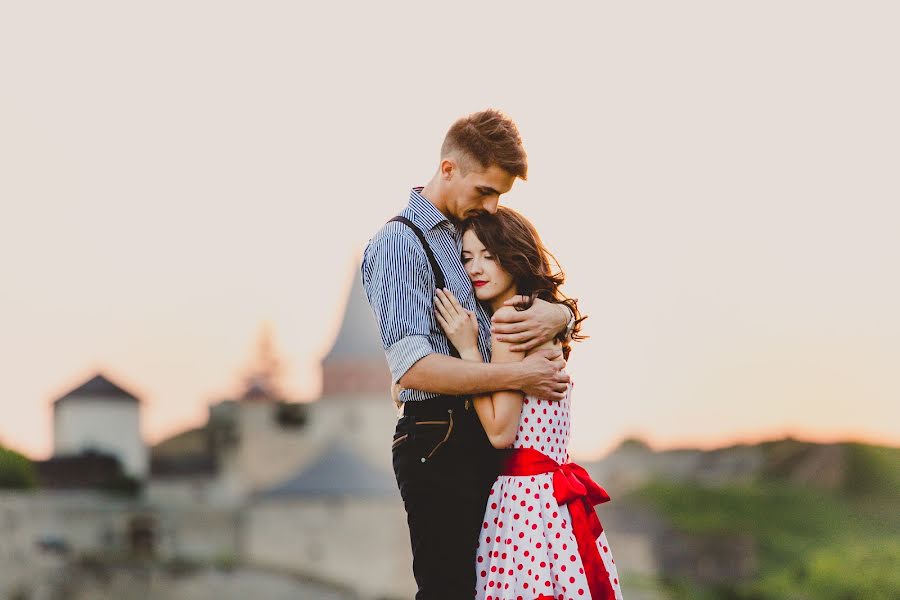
(491, 205)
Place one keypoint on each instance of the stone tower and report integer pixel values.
(355, 406)
(356, 363)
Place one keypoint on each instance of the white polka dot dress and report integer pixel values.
(527, 550)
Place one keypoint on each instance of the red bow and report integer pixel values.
(572, 486)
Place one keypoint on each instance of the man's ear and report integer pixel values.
(448, 169)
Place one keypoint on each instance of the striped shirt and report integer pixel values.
(400, 286)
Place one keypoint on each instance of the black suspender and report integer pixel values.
(439, 281)
(435, 268)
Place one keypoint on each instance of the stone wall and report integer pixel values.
(363, 544)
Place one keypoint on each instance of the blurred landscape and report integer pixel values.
(777, 520)
(717, 179)
(280, 499)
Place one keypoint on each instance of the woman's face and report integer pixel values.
(490, 280)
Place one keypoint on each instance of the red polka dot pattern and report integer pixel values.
(527, 550)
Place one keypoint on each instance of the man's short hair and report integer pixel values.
(487, 138)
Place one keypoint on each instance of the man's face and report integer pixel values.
(476, 191)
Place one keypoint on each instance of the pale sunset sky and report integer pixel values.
(719, 180)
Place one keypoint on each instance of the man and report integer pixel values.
(443, 463)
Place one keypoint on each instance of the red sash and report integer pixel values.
(572, 486)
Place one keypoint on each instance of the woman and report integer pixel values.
(541, 538)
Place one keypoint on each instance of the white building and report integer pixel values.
(100, 415)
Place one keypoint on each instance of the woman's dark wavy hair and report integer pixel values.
(517, 247)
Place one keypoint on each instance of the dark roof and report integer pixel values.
(358, 337)
(89, 469)
(190, 465)
(99, 386)
(337, 472)
(184, 443)
(185, 454)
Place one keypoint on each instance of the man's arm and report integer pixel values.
(395, 277)
(540, 375)
(528, 329)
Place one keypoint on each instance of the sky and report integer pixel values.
(718, 180)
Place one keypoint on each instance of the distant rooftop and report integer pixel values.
(358, 337)
(99, 386)
(337, 472)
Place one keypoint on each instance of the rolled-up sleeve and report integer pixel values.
(396, 278)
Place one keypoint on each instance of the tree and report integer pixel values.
(16, 471)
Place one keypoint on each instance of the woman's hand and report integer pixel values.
(460, 325)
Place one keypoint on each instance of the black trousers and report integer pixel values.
(445, 467)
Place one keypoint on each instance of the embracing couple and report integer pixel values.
(476, 333)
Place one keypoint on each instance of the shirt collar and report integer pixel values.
(425, 212)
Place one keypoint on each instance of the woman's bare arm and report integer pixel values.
(499, 412)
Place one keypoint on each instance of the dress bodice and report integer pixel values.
(544, 426)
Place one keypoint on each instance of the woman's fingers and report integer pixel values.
(454, 301)
(441, 313)
(448, 318)
(441, 301)
(440, 310)
(441, 321)
(446, 302)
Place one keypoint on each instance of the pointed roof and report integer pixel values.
(358, 337)
(99, 386)
(338, 471)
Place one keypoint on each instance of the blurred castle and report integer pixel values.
(303, 487)
(259, 440)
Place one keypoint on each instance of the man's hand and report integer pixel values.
(543, 377)
(396, 388)
(528, 329)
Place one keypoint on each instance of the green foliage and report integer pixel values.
(842, 571)
(16, 471)
(811, 544)
(872, 471)
(683, 589)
